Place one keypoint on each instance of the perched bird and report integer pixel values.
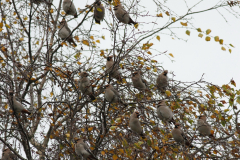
(164, 112)
(122, 15)
(135, 125)
(203, 127)
(8, 155)
(113, 72)
(99, 12)
(162, 81)
(69, 8)
(138, 82)
(18, 107)
(112, 96)
(179, 136)
(82, 149)
(64, 32)
(85, 86)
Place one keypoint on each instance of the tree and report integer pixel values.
(42, 69)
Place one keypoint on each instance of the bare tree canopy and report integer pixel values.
(82, 80)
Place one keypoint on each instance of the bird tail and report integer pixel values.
(75, 15)
(97, 21)
(189, 144)
(26, 111)
(131, 21)
(70, 40)
(92, 157)
(92, 97)
(143, 135)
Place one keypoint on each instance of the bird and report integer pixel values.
(69, 8)
(8, 155)
(122, 15)
(17, 106)
(85, 86)
(111, 95)
(64, 32)
(164, 112)
(138, 82)
(113, 72)
(162, 81)
(179, 136)
(203, 127)
(82, 149)
(135, 125)
(99, 12)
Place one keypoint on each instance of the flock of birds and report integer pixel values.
(111, 95)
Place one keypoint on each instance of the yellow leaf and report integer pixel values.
(79, 63)
(90, 129)
(77, 38)
(121, 150)
(85, 42)
(67, 135)
(91, 37)
(156, 147)
(188, 32)
(159, 15)
(115, 157)
(63, 13)
(221, 41)
(51, 94)
(167, 13)
(224, 49)
(103, 153)
(116, 2)
(230, 50)
(99, 9)
(208, 38)
(215, 151)
(155, 69)
(37, 42)
(113, 127)
(208, 31)
(7, 26)
(51, 11)
(231, 45)
(174, 19)
(25, 18)
(51, 137)
(98, 41)
(200, 35)
(6, 106)
(1, 24)
(199, 30)
(21, 39)
(103, 37)
(216, 38)
(158, 38)
(136, 25)
(149, 52)
(1, 29)
(171, 55)
(168, 93)
(184, 24)
(212, 132)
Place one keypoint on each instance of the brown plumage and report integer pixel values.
(204, 127)
(113, 72)
(64, 32)
(18, 107)
(85, 85)
(179, 136)
(135, 125)
(99, 12)
(122, 15)
(162, 81)
(8, 155)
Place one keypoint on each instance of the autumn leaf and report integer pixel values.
(188, 32)
(91, 37)
(167, 13)
(174, 19)
(200, 35)
(115, 157)
(208, 38)
(158, 38)
(216, 38)
(99, 9)
(184, 24)
(171, 55)
(136, 25)
(168, 93)
(159, 15)
(221, 41)
(199, 30)
(98, 41)
(208, 31)
(224, 49)
(85, 42)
